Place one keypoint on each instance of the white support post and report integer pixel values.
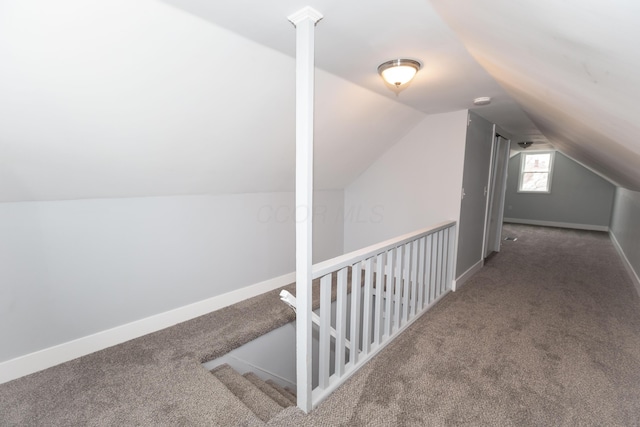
(304, 21)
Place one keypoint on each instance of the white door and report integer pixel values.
(473, 207)
(497, 190)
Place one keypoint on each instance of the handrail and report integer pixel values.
(339, 262)
(290, 300)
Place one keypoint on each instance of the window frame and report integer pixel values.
(522, 172)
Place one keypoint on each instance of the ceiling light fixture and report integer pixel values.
(398, 72)
(525, 144)
(483, 100)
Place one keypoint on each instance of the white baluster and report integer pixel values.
(380, 261)
(389, 292)
(414, 277)
(406, 285)
(441, 253)
(421, 275)
(434, 266)
(325, 331)
(341, 320)
(398, 288)
(439, 265)
(445, 259)
(356, 288)
(452, 243)
(368, 300)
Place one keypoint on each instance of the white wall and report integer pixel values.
(625, 229)
(69, 269)
(416, 183)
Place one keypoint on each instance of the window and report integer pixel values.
(535, 172)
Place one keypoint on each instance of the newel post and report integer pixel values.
(304, 21)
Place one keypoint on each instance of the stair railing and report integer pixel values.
(290, 300)
(377, 292)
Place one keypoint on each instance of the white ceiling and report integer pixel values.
(126, 99)
(355, 37)
(120, 99)
(572, 65)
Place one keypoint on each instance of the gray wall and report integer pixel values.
(477, 158)
(578, 196)
(69, 269)
(625, 226)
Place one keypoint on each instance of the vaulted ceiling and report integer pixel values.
(573, 66)
(121, 99)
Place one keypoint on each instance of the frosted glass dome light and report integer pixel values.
(398, 72)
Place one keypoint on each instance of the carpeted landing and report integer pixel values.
(547, 333)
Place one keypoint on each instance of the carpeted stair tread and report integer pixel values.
(230, 409)
(263, 406)
(283, 391)
(291, 416)
(268, 390)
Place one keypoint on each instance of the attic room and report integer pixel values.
(147, 192)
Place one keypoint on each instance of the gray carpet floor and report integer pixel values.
(547, 333)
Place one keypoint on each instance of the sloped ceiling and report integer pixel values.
(573, 66)
(117, 98)
(125, 99)
(355, 37)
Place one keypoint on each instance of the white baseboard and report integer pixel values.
(632, 273)
(52, 356)
(464, 277)
(557, 224)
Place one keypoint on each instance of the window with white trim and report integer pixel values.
(535, 172)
